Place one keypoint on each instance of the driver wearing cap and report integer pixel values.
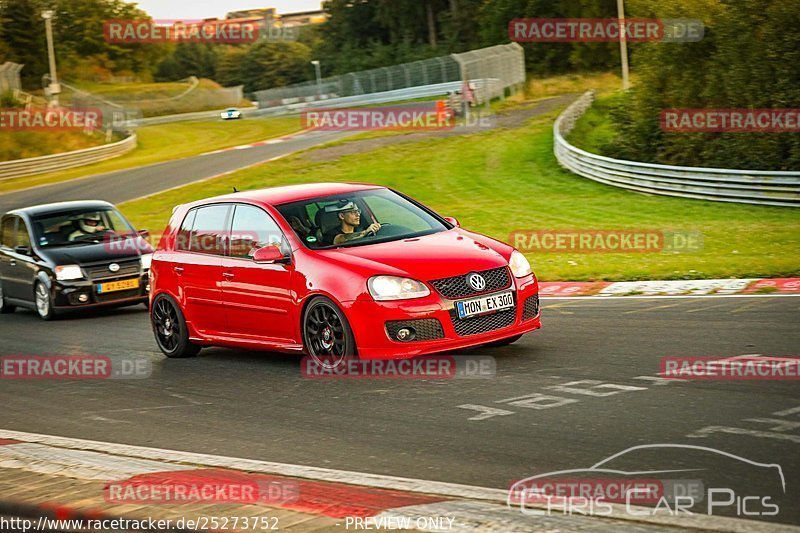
(350, 217)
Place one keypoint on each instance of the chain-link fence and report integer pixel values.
(489, 72)
(9, 77)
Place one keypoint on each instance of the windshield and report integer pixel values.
(78, 226)
(357, 219)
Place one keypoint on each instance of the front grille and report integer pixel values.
(127, 269)
(426, 329)
(457, 286)
(531, 308)
(482, 324)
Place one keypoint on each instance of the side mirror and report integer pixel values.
(269, 254)
(144, 234)
(22, 250)
(453, 221)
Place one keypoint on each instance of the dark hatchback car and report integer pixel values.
(71, 255)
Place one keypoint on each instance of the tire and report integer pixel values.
(43, 301)
(323, 314)
(169, 329)
(504, 342)
(5, 308)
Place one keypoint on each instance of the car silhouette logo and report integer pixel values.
(476, 281)
(113, 267)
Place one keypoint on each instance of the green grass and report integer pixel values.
(25, 144)
(499, 181)
(594, 129)
(172, 141)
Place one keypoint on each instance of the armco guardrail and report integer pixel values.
(760, 187)
(46, 163)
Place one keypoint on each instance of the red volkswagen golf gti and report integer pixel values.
(334, 270)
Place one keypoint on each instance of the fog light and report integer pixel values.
(83, 298)
(405, 334)
(147, 288)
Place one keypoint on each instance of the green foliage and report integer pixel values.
(80, 47)
(188, 59)
(274, 64)
(749, 58)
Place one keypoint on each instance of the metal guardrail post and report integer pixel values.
(39, 165)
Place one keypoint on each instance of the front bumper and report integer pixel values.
(82, 293)
(369, 318)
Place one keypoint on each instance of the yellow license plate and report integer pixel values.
(113, 286)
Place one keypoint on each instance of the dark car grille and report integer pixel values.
(531, 308)
(457, 286)
(426, 329)
(482, 324)
(99, 272)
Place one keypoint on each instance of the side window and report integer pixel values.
(252, 229)
(209, 230)
(7, 232)
(23, 238)
(182, 242)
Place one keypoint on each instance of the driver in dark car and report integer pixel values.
(88, 224)
(350, 217)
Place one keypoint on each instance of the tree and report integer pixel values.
(748, 58)
(24, 37)
(275, 64)
(229, 65)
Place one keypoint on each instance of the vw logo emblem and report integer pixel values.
(113, 267)
(476, 281)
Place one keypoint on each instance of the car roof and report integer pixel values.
(35, 210)
(290, 193)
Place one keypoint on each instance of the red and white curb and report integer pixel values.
(360, 500)
(276, 140)
(698, 287)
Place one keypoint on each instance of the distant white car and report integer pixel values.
(230, 113)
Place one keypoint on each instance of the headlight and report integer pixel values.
(68, 272)
(147, 260)
(519, 265)
(395, 288)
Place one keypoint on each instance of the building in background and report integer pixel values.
(303, 18)
(269, 16)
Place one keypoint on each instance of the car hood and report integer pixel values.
(85, 254)
(436, 256)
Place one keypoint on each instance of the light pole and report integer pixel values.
(319, 78)
(54, 88)
(623, 44)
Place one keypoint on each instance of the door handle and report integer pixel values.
(178, 270)
(227, 275)
(12, 263)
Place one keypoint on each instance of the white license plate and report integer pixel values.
(485, 304)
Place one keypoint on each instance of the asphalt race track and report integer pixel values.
(595, 359)
(128, 184)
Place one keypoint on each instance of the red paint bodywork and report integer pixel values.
(239, 303)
